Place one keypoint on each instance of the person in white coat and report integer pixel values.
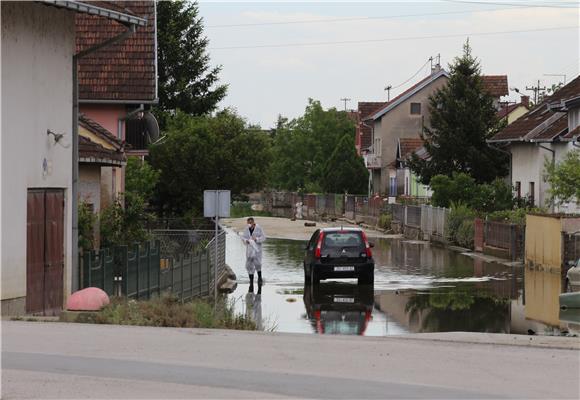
(253, 237)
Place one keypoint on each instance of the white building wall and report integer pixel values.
(37, 48)
(528, 166)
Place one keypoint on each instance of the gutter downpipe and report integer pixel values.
(75, 149)
(373, 146)
(553, 164)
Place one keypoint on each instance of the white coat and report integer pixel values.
(254, 248)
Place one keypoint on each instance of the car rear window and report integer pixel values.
(342, 239)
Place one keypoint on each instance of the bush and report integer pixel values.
(241, 209)
(385, 221)
(517, 216)
(463, 188)
(86, 220)
(465, 234)
(459, 213)
(168, 311)
(124, 225)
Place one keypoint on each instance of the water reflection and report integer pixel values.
(339, 308)
(254, 308)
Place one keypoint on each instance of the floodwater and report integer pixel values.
(418, 287)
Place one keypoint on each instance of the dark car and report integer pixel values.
(339, 253)
(339, 308)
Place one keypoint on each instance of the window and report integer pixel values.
(393, 188)
(518, 190)
(415, 108)
(531, 194)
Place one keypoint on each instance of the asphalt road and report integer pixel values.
(56, 360)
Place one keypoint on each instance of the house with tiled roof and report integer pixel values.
(39, 149)
(547, 132)
(496, 86)
(363, 138)
(403, 117)
(98, 149)
(407, 183)
(118, 84)
(512, 111)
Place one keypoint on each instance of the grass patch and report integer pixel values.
(240, 209)
(168, 311)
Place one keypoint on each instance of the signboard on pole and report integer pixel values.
(216, 203)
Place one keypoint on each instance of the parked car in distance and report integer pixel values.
(339, 253)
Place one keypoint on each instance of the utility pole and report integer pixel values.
(345, 99)
(388, 90)
(536, 90)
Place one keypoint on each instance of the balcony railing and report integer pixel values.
(372, 161)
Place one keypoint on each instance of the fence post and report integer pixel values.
(513, 241)
(148, 253)
(192, 258)
(138, 267)
(181, 285)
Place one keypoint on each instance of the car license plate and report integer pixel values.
(344, 300)
(346, 268)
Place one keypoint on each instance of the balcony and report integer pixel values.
(372, 161)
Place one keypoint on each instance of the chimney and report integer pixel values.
(525, 100)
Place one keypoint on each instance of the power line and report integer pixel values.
(416, 73)
(533, 5)
(263, 46)
(317, 21)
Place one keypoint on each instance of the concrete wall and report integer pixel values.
(400, 123)
(543, 242)
(90, 185)
(37, 47)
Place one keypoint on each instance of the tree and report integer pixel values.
(140, 178)
(564, 178)
(303, 146)
(208, 153)
(186, 80)
(462, 119)
(345, 170)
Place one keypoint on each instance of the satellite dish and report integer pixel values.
(152, 127)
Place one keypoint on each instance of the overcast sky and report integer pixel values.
(276, 55)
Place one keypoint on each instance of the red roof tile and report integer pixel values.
(535, 123)
(91, 152)
(572, 134)
(495, 85)
(366, 109)
(408, 146)
(124, 71)
(99, 130)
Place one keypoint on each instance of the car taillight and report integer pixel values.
(318, 250)
(367, 245)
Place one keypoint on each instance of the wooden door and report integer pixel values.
(35, 252)
(45, 251)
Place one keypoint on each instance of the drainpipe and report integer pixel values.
(371, 173)
(75, 149)
(553, 163)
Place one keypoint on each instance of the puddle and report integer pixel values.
(418, 288)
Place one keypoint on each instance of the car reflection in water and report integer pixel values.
(339, 308)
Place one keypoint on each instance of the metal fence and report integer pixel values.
(434, 221)
(509, 237)
(398, 211)
(130, 271)
(144, 270)
(413, 216)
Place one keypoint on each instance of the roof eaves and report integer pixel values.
(405, 96)
(87, 8)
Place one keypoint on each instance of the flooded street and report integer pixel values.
(419, 287)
